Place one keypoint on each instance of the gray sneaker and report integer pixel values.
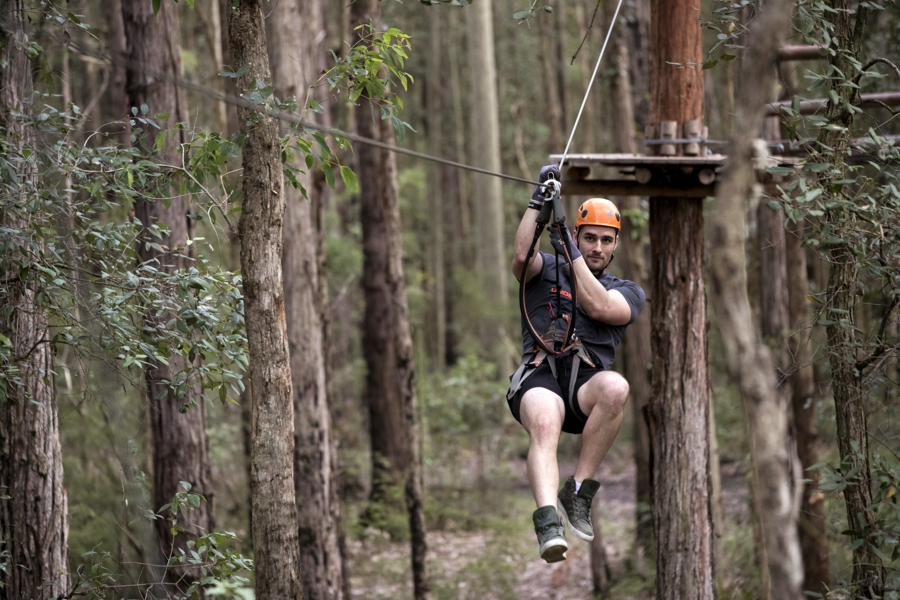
(577, 507)
(550, 534)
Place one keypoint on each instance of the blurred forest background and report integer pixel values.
(123, 456)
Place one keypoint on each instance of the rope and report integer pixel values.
(86, 55)
(587, 93)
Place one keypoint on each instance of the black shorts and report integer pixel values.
(542, 377)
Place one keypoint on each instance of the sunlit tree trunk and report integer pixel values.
(177, 418)
(34, 520)
(275, 539)
(484, 139)
(290, 29)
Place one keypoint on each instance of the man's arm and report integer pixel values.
(608, 307)
(524, 236)
(525, 233)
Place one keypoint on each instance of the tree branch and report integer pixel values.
(586, 33)
(882, 347)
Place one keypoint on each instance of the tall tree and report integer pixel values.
(484, 137)
(811, 516)
(387, 341)
(749, 359)
(34, 526)
(177, 419)
(115, 100)
(275, 533)
(437, 321)
(291, 27)
(846, 372)
(679, 401)
(637, 353)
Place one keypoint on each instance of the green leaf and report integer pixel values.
(186, 485)
(161, 139)
(710, 64)
(521, 15)
(548, 9)
(329, 174)
(156, 6)
(816, 167)
(728, 57)
(350, 179)
(223, 393)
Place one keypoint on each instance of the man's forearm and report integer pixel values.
(525, 234)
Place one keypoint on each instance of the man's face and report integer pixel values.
(597, 244)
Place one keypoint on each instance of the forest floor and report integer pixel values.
(499, 559)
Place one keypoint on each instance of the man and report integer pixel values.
(577, 392)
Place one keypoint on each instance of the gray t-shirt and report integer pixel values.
(597, 337)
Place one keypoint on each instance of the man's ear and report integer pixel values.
(617, 242)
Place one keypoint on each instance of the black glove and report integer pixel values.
(558, 243)
(541, 193)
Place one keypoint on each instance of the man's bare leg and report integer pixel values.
(602, 399)
(542, 413)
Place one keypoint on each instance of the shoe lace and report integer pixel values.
(582, 508)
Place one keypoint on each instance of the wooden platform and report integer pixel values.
(641, 175)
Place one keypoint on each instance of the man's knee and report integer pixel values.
(607, 390)
(541, 414)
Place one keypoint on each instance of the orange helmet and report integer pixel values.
(598, 211)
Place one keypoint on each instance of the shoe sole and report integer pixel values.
(554, 550)
(579, 534)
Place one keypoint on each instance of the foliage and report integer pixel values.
(102, 300)
(219, 569)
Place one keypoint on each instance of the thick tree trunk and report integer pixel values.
(484, 136)
(177, 424)
(387, 341)
(34, 520)
(600, 575)
(750, 361)
(679, 401)
(291, 27)
(275, 540)
(811, 517)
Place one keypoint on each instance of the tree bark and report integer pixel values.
(275, 538)
(177, 423)
(115, 100)
(291, 27)
(841, 291)
(490, 255)
(437, 321)
(387, 341)
(34, 525)
(679, 401)
(637, 352)
(811, 517)
(749, 360)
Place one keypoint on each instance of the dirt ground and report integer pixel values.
(500, 561)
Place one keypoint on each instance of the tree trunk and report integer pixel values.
(600, 575)
(679, 401)
(387, 341)
(749, 360)
(34, 525)
(34, 520)
(847, 385)
(811, 517)
(275, 540)
(179, 441)
(637, 353)
(437, 320)
(115, 104)
(291, 27)
(490, 254)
